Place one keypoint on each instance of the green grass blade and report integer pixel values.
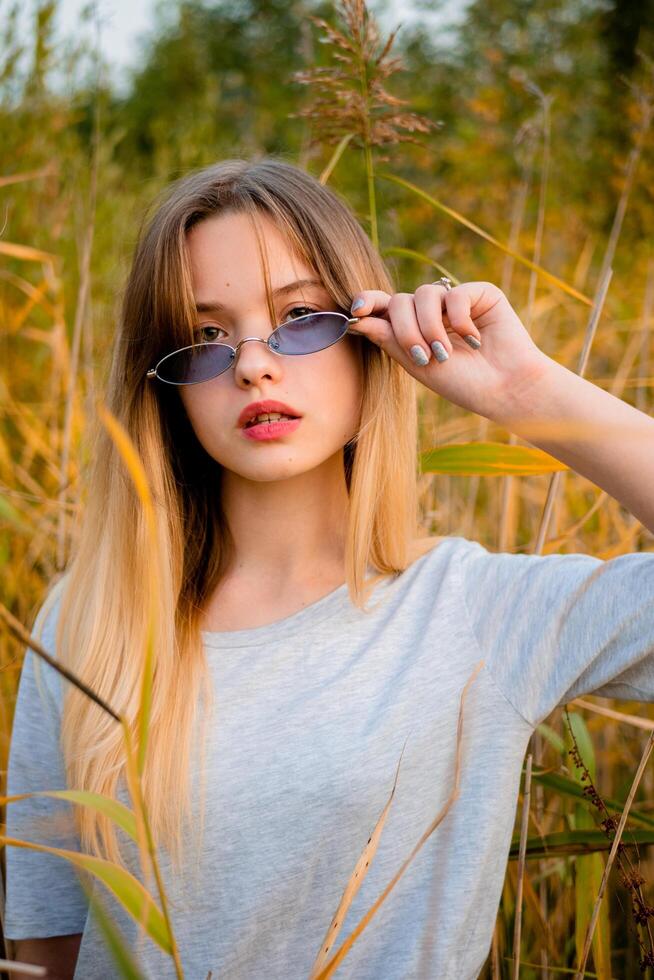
(129, 891)
(588, 877)
(552, 737)
(569, 787)
(554, 280)
(588, 868)
(574, 842)
(118, 812)
(568, 970)
(410, 253)
(335, 157)
(488, 459)
(116, 944)
(584, 744)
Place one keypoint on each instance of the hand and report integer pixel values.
(488, 379)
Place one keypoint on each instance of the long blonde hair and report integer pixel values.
(101, 629)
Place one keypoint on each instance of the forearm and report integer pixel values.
(597, 435)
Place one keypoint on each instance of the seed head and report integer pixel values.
(350, 97)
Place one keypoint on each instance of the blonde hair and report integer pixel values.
(101, 629)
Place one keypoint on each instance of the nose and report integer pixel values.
(255, 361)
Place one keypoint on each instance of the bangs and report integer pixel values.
(178, 319)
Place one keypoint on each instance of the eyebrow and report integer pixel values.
(213, 306)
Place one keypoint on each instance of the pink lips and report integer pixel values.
(270, 430)
(268, 405)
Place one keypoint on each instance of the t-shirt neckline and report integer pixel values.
(280, 629)
(338, 600)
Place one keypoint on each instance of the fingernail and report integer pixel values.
(472, 341)
(357, 304)
(419, 356)
(439, 351)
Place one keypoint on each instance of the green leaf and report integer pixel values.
(588, 877)
(116, 943)
(129, 891)
(570, 787)
(335, 157)
(572, 842)
(118, 812)
(568, 970)
(488, 459)
(584, 744)
(552, 737)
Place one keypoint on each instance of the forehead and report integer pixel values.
(226, 261)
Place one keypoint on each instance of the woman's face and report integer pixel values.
(323, 388)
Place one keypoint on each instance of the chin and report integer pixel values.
(268, 472)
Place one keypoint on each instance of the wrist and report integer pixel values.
(531, 395)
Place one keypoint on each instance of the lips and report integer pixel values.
(257, 408)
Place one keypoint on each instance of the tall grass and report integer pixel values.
(69, 213)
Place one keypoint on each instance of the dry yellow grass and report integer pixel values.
(55, 336)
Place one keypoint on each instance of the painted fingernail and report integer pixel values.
(439, 351)
(357, 304)
(419, 356)
(472, 341)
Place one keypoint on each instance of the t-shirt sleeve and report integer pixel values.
(554, 627)
(43, 894)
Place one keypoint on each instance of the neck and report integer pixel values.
(288, 530)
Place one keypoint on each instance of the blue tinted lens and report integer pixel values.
(190, 365)
(304, 335)
(308, 334)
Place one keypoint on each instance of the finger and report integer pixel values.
(404, 322)
(458, 304)
(371, 309)
(428, 300)
(375, 324)
(375, 302)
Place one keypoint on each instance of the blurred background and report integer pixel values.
(509, 142)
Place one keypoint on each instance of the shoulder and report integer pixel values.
(451, 563)
(422, 546)
(442, 547)
(500, 577)
(437, 561)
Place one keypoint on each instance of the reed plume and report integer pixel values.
(350, 102)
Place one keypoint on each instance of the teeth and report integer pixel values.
(268, 417)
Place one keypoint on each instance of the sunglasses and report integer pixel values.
(303, 335)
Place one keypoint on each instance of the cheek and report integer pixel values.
(204, 412)
(343, 388)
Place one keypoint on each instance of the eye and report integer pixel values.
(302, 310)
(204, 333)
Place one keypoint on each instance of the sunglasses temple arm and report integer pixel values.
(353, 319)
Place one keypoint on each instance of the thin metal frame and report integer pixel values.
(152, 372)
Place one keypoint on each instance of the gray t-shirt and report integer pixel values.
(312, 713)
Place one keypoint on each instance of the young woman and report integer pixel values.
(306, 633)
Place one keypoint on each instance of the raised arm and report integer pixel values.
(469, 345)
